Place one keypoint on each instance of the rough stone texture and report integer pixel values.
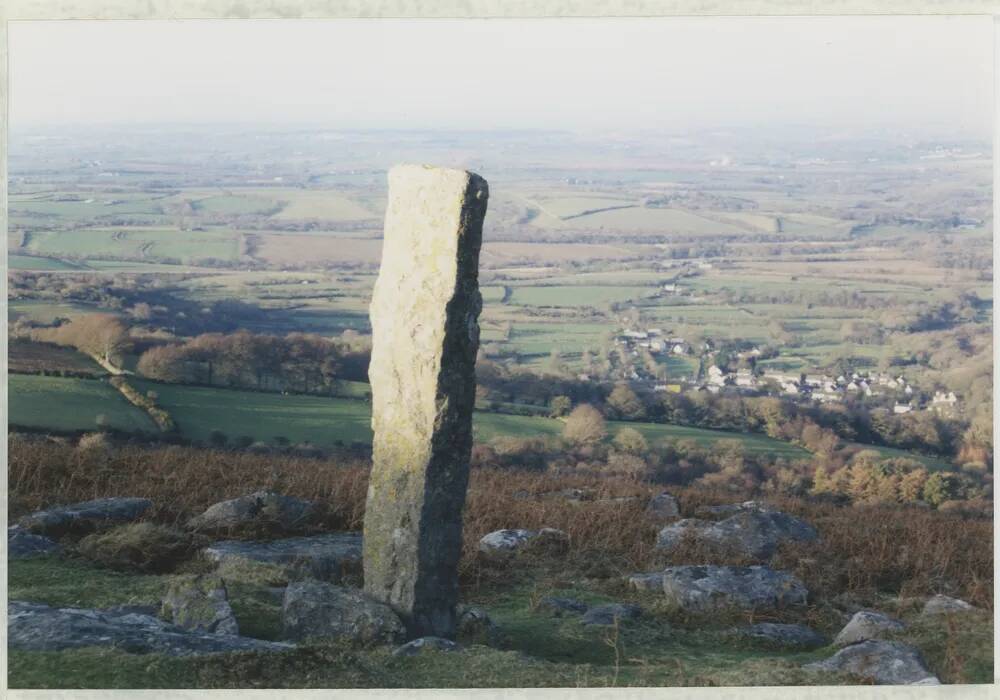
(328, 557)
(85, 517)
(662, 507)
(425, 644)
(944, 604)
(733, 509)
(22, 544)
(702, 588)
(425, 336)
(476, 626)
(782, 635)
(313, 609)
(646, 582)
(201, 604)
(867, 624)
(562, 606)
(508, 541)
(607, 614)
(752, 533)
(35, 627)
(263, 510)
(884, 663)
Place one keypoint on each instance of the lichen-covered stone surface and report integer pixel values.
(704, 588)
(36, 627)
(200, 603)
(883, 663)
(425, 336)
(750, 532)
(317, 610)
(328, 557)
(942, 604)
(85, 517)
(262, 510)
(867, 624)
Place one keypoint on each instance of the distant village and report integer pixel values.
(753, 379)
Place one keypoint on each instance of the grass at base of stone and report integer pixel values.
(69, 583)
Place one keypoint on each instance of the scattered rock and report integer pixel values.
(22, 544)
(608, 614)
(328, 557)
(885, 663)
(752, 533)
(662, 507)
(35, 627)
(474, 625)
(944, 604)
(425, 644)
(313, 609)
(646, 582)
(509, 541)
(561, 606)
(732, 509)
(783, 636)
(865, 625)
(261, 511)
(619, 499)
(200, 603)
(81, 518)
(144, 546)
(701, 588)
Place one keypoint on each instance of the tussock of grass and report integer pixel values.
(142, 546)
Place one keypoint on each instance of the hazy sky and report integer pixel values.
(671, 73)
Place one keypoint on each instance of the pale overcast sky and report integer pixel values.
(670, 73)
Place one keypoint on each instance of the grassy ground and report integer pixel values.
(30, 357)
(318, 420)
(71, 404)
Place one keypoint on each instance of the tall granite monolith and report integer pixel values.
(425, 336)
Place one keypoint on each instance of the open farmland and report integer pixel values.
(64, 404)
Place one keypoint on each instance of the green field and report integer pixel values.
(576, 295)
(263, 416)
(70, 404)
(31, 262)
(136, 243)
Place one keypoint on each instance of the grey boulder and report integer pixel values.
(35, 627)
(867, 624)
(200, 603)
(425, 644)
(327, 557)
(752, 533)
(561, 606)
(662, 507)
(942, 604)
(884, 663)
(21, 544)
(474, 624)
(733, 509)
(646, 582)
(85, 517)
(501, 542)
(782, 635)
(703, 588)
(610, 614)
(318, 610)
(263, 510)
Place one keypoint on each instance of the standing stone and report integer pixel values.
(425, 336)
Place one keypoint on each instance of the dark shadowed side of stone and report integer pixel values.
(425, 336)
(21, 544)
(34, 627)
(85, 517)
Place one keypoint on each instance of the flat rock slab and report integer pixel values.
(782, 635)
(426, 644)
(606, 615)
(317, 610)
(867, 624)
(263, 510)
(942, 604)
(85, 517)
(884, 663)
(732, 509)
(21, 544)
(562, 606)
(703, 588)
(35, 627)
(326, 557)
(501, 542)
(752, 533)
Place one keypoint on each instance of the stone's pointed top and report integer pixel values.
(423, 173)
